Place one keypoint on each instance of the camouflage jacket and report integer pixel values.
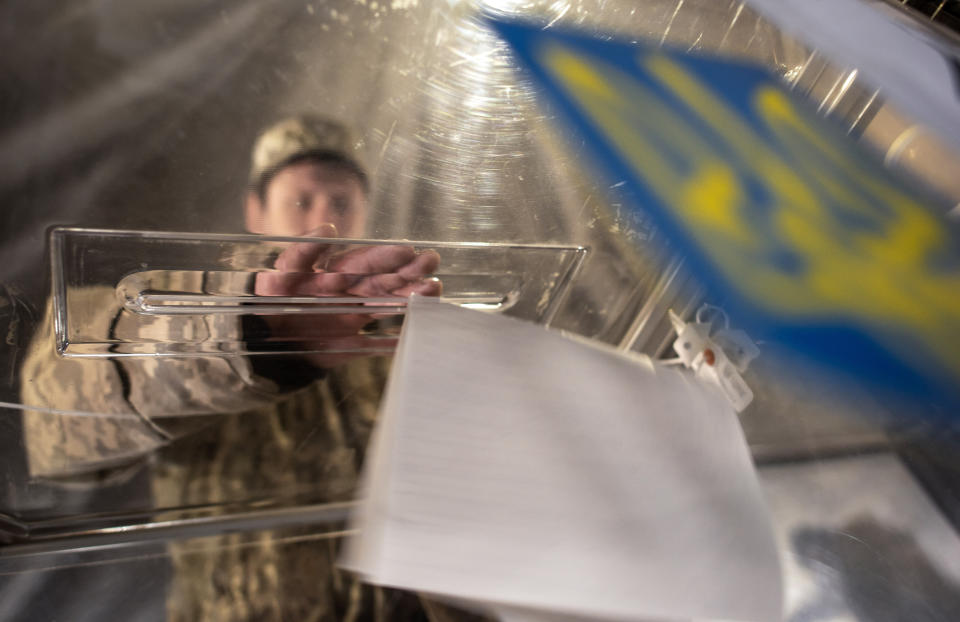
(264, 440)
(93, 414)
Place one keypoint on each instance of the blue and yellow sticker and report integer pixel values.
(805, 236)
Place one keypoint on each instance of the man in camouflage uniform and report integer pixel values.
(292, 425)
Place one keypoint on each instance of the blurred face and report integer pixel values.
(305, 195)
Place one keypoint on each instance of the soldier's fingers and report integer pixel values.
(303, 256)
(300, 257)
(274, 283)
(302, 284)
(374, 259)
(423, 264)
(377, 285)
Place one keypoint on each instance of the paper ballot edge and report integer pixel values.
(368, 523)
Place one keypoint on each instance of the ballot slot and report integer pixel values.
(145, 293)
(142, 293)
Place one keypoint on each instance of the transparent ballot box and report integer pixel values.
(187, 388)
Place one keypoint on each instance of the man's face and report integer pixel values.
(305, 195)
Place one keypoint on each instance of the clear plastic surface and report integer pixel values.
(127, 481)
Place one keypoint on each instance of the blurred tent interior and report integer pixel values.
(141, 116)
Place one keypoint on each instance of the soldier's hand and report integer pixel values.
(312, 269)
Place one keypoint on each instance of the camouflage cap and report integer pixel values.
(293, 137)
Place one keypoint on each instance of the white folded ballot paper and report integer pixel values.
(547, 478)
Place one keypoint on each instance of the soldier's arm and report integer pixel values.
(78, 419)
(89, 414)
